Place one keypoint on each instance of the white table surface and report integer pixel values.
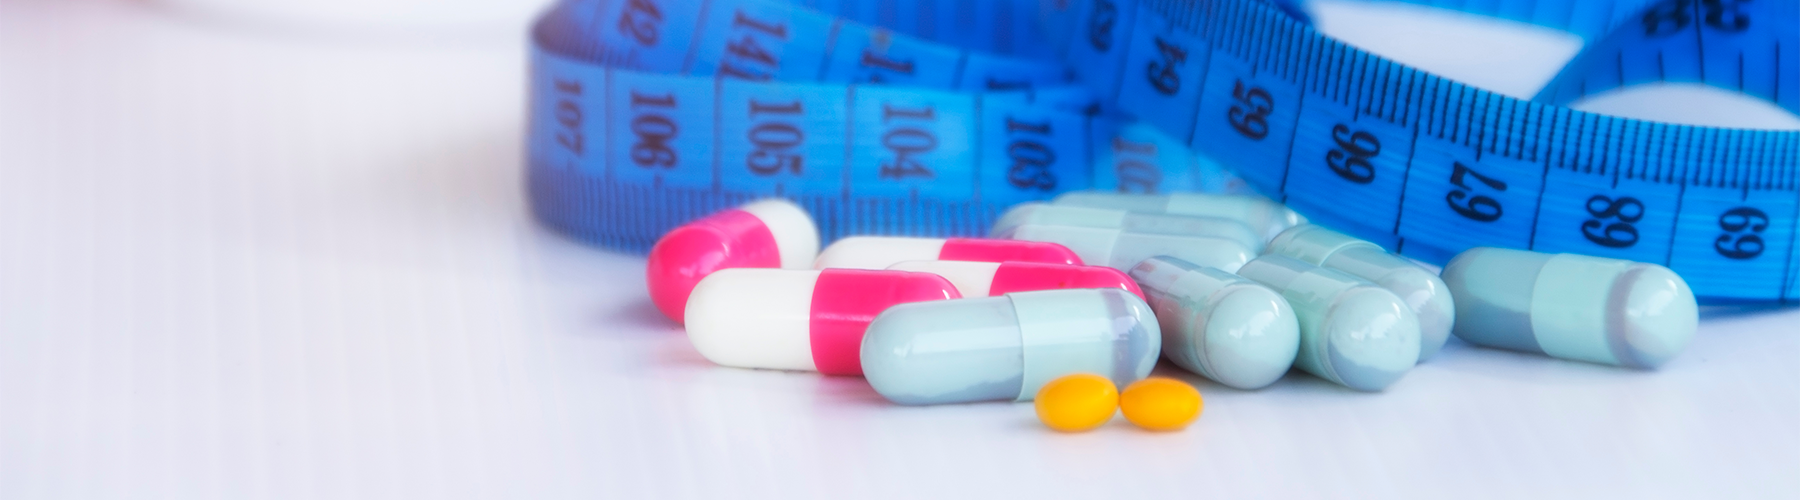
(239, 262)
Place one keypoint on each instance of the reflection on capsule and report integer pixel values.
(1123, 250)
(1419, 287)
(1568, 306)
(1351, 332)
(879, 252)
(798, 319)
(982, 279)
(1107, 218)
(1007, 347)
(1266, 217)
(1220, 325)
(767, 233)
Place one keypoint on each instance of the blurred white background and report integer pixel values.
(241, 258)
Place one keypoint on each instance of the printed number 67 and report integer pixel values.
(1476, 208)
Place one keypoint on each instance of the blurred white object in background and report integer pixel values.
(427, 16)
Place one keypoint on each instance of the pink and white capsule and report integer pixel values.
(988, 279)
(879, 252)
(766, 233)
(798, 319)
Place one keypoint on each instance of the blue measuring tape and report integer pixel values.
(648, 113)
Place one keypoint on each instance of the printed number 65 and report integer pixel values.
(1250, 116)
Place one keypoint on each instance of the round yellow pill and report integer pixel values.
(1079, 402)
(1161, 404)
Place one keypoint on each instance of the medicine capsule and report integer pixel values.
(1352, 332)
(1007, 347)
(1220, 325)
(769, 233)
(1123, 250)
(879, 252)
(982, 279)
(1419, 287)
(1266, 217)
(1568, 306)
(1106, 218)
(798, 319)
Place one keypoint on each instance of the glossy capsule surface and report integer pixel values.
(879, 252)
(1123, 250)
(1352, 332)
(1422, 290)
(798, 319)
(1220, 325)
(1007, 347)
(1266, 217)
(1107, 218)
(772, 233)
(982, 279)
(1568, 306)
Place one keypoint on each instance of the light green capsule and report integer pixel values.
(1037, 213)
(1266, 217)
(1419, 287)
(1220, 325)
(1568, 306)
(1351, 332)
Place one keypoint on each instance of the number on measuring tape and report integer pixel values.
(1358, 162)
(1674, 16)
(861, 54)
(1105, 26)
(1135, 166)
(762, 41)
(1743, 227)
(1030, 152)
(770, 139)
(1165, 72)
(1145, 160)
(641, 21)
(1454, 202)
(1246, 120)
(570, 117)
(653, 135)
(1590, 214)
(917, 141)
(1733, 240)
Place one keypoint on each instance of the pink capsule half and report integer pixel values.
(768, 234)
(798, 319)
(879, 252)
(986, 279)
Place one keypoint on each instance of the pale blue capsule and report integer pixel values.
(1007, 347)
(1220, 325)
(1351, 332)
(1419, 287)
(1568, 306)
(1037, 213)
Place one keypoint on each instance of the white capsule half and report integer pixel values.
(1422, 290)
(1220, 325)
(1266, 217)
(1568, 306)
(1123, 250)
(1106, 218)
(1351, 332)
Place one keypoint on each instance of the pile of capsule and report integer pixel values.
(1236, 289)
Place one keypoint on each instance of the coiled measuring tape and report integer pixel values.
(649, 113)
